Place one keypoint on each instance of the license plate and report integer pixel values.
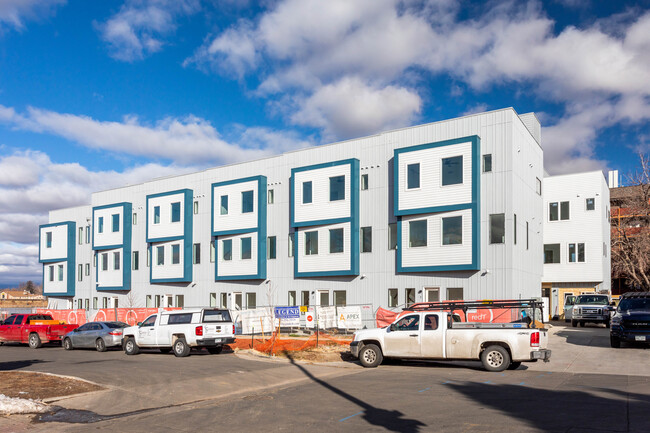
(639, 337)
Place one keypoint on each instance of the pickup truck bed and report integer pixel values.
(33, 329)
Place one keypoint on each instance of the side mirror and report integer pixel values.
(393, 327)
(139, 324)
(75, 330)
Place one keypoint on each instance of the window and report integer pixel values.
(179, 301)
(87, 234)
(245, 248)
(60, 272)
(224, 300)
(392, 297)
(311, 243)
(497, 228)
(366, 239)
(291, 245)
(564, 210)
(408, 323)
(270, 197)
(306, 192)
(94, 303)
(81, 235)
(538, 186)
(418, 233)
(176, 212)
(80, 303)
(515, 229)
(87, 269)
(87, 304)
(304, 297)
(324, 297)
(136, 261)
(452, 170)
(156, 215)
(292, 298)
(604, 249)
(452, 230)
(364, 182)
(226, 245)
(80, 272)
(336, 241)
(104, 261)
(553, 213)
(581, 253)
(392, 236)
(51, 269)
(271, 248)
(104, 302)
(247, 202)
(176, 254)
(148, 257)
(212, 251)
(48, 240)
(487, 163)
(179, 319)
(156, 301)
(116, 261)
(412, 176)
(134, 220)
(337, 188)
(160, 256)
(591, 203)
(527, 243)
(454, 293)
(95, 260)
(251, 300)
(340, 298)
(213, 299)
(430, 322)
(551, 253)
(196, 254)
(224, 205)
(115, 220)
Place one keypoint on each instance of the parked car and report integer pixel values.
(591, 309)
(181, 330)
(631, 323)
(33, 329)
(100, 335)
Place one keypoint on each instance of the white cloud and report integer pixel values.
(140, 26)
(186, 141)
(14, 12)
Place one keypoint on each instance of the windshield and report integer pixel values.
(591, 300)
(634, 304)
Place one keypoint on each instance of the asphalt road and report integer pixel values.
(591, 387)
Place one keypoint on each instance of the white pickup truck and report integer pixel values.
(434, 335)
(181, 330)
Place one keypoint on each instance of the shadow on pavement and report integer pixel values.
(16, 365)
(389, 419)
(563, 410)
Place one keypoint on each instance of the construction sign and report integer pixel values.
(349, 317)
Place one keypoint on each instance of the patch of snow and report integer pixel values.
(9, 405)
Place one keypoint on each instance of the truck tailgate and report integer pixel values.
(217, 330)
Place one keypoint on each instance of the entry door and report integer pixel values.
(404, 341)
(432, 294)
(147, 332)
(432, 337)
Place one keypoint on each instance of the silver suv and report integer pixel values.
(590, 308)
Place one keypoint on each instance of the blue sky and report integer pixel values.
(98, 94)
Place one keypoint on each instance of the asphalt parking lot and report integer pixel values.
(587, 386)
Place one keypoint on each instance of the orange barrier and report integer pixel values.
(275, 344)
(74, 317)
(126, 315)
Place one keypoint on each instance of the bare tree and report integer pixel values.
(631, 228)
(132, 301)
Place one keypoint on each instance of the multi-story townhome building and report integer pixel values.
(576, 237)
(447, 210)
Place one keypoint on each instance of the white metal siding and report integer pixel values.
(110, 277)
(324, 261)
(59, 247)
(108, 237)
(166, 228)
(321, 207)
(235, 219)
(167, 270)
(237, 266)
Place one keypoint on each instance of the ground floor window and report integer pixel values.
(180, 301)
(340, 298)
(213, 299)
(454, 293)
(409, 297)
(304, 297)
(292, 298)
(392, 298)
(251, 300)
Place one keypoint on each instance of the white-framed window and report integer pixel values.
(336, 241)
(104, 261)
(246, 248)
(226, 247)
(337, 188)
(413, 176)
(176, 212)
(160, 256)
(452, 230)
(418, 233)
(558, 210)
(223, 205)
(306, 192)
(311, 243)
(176, 254)
(393, 298)
(116, 260)
(590, 203)
(247, 202)
(576, 252)
(452, 170)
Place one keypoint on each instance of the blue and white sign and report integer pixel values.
(287, 316)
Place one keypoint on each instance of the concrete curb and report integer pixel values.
(251, 356)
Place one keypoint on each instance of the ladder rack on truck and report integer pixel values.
(464, 306)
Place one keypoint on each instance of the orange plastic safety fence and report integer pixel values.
(275, 344)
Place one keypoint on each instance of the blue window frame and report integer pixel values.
(413, 176)
(418, 233)
(246, 248)
(224, 205)
(306, 192)
(336, 241)
(176, 212)
(337, 188)
(115, 220)
(100, 224)
(452, 170)
(156, 215)
(247, 201)
(176, 254)
(48, 240)
(452, 230)
(226, 247)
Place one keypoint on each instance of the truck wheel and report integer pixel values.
(165, 349)
(607, 323)
(130, 348)
(34, 341)
(67, 344)
(181, 348)
(215, 350)
(574, 323)
(370, 356)
(614, 341)
(495, 358)
(514, 365)
(582, 324)
(100, 345)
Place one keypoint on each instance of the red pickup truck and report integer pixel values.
(33, 329)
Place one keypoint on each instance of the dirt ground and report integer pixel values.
(318, 354)
(24, 384)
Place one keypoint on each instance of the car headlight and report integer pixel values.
(575, 309)
(616, 321)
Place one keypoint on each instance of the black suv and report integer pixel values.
(632, 319)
